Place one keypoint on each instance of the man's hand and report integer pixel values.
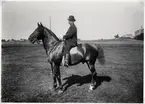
(63, 38)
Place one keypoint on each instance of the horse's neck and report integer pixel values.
(49, 41)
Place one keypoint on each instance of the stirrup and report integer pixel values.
(66, 64)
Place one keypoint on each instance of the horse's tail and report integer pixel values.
(101, 56)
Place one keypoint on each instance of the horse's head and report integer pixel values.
(37, 34)
(41, 33)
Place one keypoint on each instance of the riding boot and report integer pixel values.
(66, 60)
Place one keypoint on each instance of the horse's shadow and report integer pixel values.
(80, 80)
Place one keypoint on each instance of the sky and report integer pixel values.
(94, 20)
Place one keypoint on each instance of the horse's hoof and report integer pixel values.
(53, 90)
(60, 91)
(91, 87)
(50, 88)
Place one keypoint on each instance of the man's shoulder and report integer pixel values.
(73, 26)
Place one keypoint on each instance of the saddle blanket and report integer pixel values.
(74, 50)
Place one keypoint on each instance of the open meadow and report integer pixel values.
(26, 75)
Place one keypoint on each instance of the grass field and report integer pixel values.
(26, 75)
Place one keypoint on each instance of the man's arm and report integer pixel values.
(70, 33)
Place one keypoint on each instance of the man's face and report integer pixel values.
(70, 22)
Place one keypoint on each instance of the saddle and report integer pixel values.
(72, 52)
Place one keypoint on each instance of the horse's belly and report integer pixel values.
(75, 58)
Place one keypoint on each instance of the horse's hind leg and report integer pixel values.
(93, 73)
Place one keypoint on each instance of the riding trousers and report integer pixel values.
(68, 46)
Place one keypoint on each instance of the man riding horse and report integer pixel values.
(70, 39)
(53, 46)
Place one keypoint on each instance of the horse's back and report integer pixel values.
(83, 52)
(83, 48)
(93, 52)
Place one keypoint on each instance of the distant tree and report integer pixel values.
(139, 37)
(8, 40)
(116, 36)
(23, 40)
(13, 40)
(3, 40)
(79, 39)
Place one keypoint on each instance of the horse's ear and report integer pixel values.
(38, 24)
(41, 24)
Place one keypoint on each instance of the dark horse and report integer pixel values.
(86, 53)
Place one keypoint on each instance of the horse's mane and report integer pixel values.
(52, 34)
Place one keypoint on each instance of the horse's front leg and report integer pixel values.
(58, 76)
(54, 77)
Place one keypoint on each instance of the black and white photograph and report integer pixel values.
(72, 51)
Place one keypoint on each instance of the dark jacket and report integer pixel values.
(71, 36)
